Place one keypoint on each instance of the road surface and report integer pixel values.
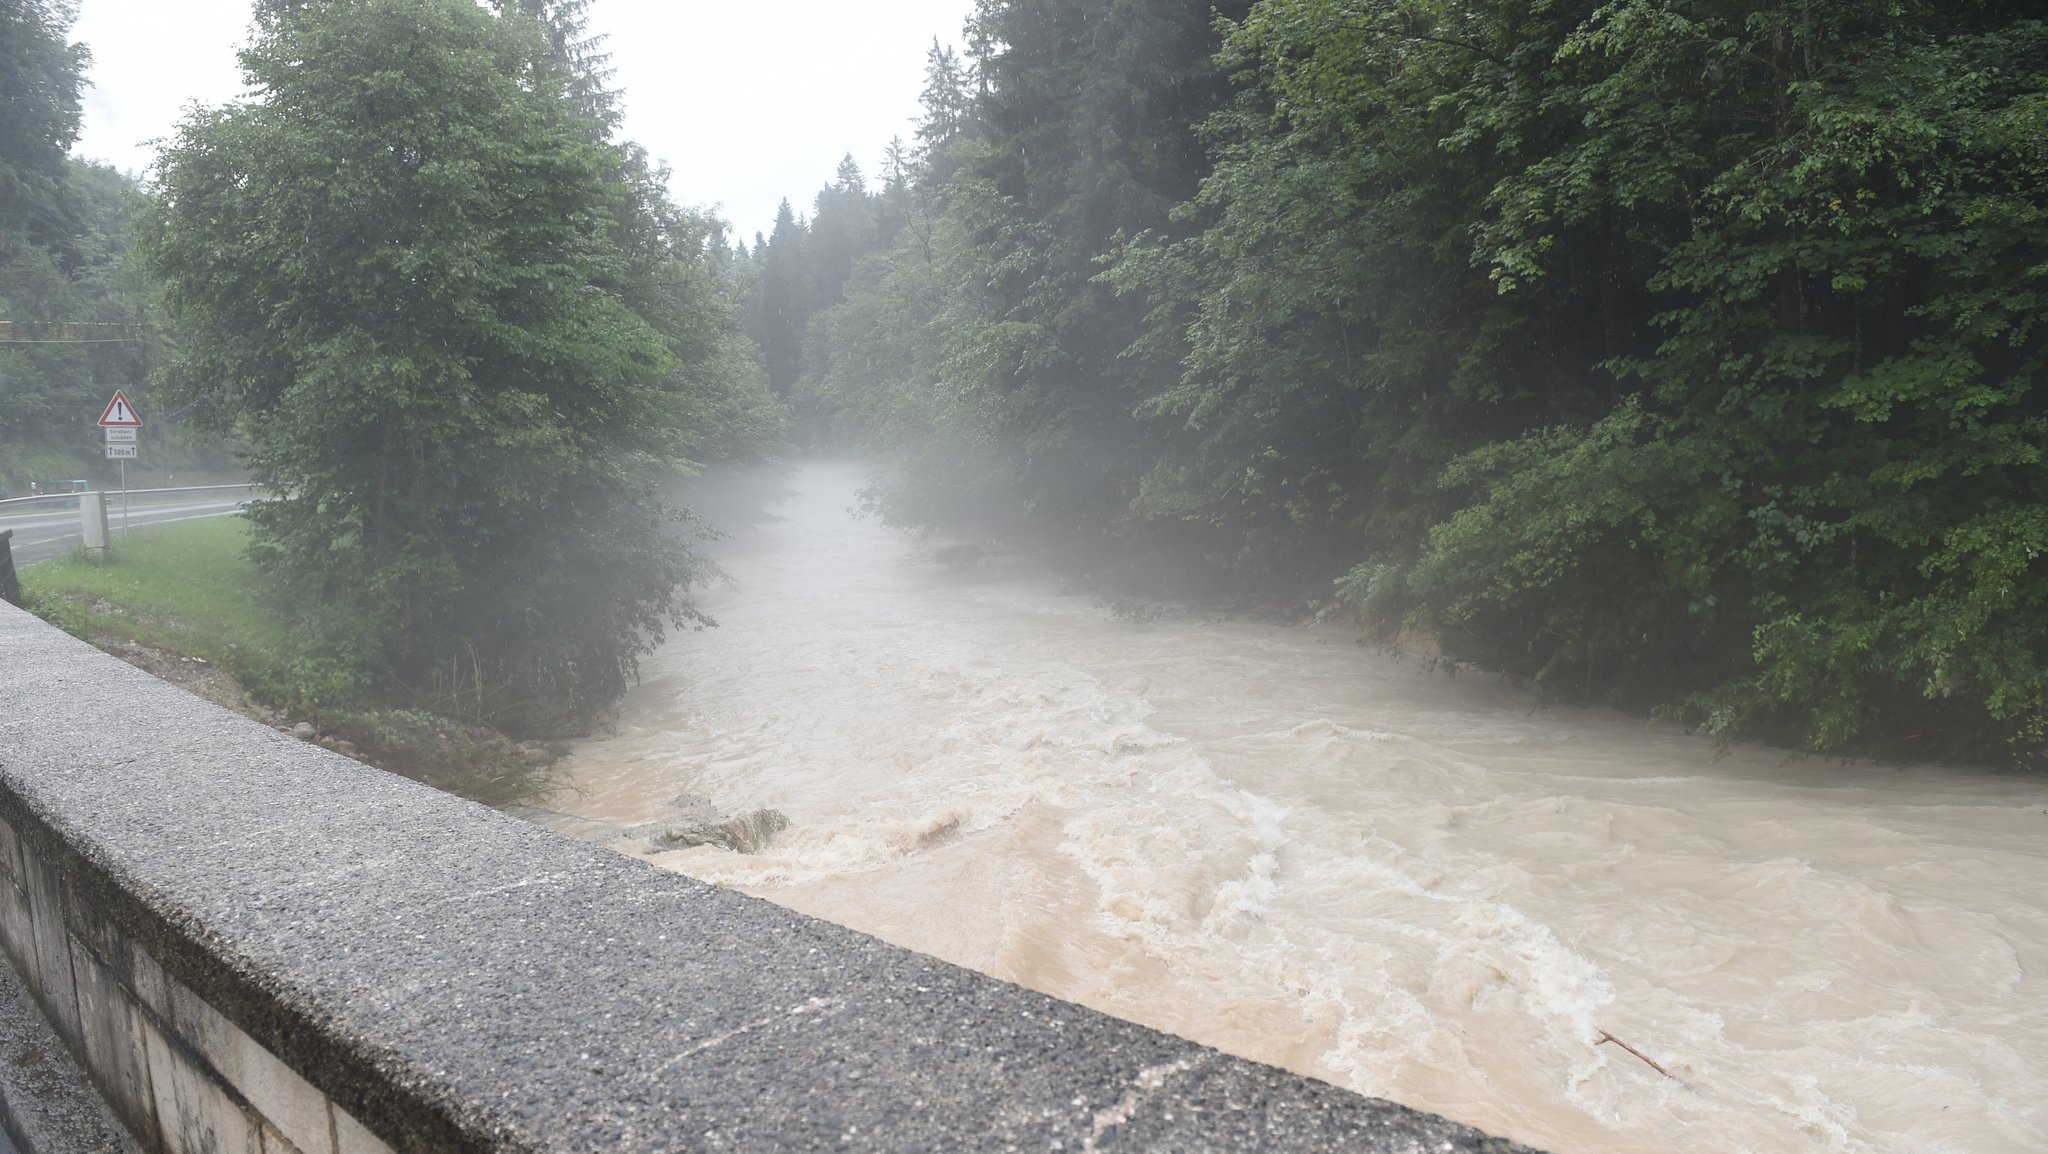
(43, 531)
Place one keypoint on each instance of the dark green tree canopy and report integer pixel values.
(41, 73)
(408, 274)
(64, 257)
(1687, 356)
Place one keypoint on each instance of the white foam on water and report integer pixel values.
(1324, 727)
(1420, 888)
(1009, 740)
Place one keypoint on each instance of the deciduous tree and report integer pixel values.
(403, 270)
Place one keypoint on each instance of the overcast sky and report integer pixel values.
(750, 103)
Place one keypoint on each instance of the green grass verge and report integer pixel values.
(188, 588)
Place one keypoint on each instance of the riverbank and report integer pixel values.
(185, 603)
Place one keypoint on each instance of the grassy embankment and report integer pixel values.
(185, 603)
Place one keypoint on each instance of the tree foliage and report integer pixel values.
(465, 338)
(41, 72)
(1682, 355)
(64, 260)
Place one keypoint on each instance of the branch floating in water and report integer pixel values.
(1647, 1060)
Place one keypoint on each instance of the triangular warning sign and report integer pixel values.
(120, 414)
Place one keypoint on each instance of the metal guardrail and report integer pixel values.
(51, 523)
(70, 500)
(46, 500)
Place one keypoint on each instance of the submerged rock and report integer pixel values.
(747, 833)
(752, 833)
(697, 822)
(695, 806)
(681, 835)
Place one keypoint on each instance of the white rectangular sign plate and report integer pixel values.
(117, 435)
(120, 452)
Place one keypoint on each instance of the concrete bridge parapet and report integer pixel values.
(258, 946)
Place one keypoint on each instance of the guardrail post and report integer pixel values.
(92, 519)
(10, 585)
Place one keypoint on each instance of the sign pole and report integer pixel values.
(124, 496)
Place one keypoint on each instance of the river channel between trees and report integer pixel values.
(1314, 853)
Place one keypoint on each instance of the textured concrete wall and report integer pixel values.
(180, 1074)
(256, 945)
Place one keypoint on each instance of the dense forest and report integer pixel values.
(1686, 356)
(1682, 356)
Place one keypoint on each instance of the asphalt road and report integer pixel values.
(44, 532)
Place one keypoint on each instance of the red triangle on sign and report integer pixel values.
(120, 414)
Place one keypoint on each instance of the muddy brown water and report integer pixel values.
(1313, 853)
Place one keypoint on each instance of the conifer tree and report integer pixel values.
(892, 204)
(582, 57)
(948, 110)
(842, 229)
(783, 294)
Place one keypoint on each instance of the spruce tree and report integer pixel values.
(842, 230)
(783, 294)
(581, 56)
(948, 111)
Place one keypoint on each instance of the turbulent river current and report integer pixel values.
(1314, 853)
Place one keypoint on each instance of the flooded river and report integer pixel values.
(1306, 851)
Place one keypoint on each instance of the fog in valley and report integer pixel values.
(1491, 555)
(1340, 858)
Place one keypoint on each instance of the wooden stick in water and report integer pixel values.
(1647, 1060)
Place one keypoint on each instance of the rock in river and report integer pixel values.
(747, 833)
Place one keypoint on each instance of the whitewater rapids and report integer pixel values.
(1303, 850)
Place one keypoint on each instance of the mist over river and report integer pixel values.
(1306, 851)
